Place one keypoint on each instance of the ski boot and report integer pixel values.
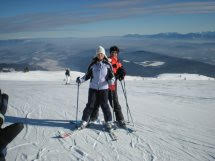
(83, 125)
(122, 124)
(108, 125)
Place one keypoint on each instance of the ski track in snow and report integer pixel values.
(170, 122)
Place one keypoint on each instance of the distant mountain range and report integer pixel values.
(175, 35)
(140, 57)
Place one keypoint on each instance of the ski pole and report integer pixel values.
(112, 104)
(77, 105)
(125, 95)
(126, 102)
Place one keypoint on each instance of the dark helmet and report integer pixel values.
(114, 48)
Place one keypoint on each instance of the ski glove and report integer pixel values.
(121, 78)
(120, 74)
(112, 87)
(78, 80)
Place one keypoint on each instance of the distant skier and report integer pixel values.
(119, 73)
(8, 133)
(101, 76)
(67, 73)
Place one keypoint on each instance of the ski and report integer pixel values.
(129, 130)
(112, 134)
(67, 134)
(64, 134)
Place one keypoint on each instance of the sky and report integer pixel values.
(97, 18)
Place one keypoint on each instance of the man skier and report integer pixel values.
(119, 73)
(67, 73)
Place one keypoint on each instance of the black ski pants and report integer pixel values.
(99, 97)
(113, 100)
(8, 133)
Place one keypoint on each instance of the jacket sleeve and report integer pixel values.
(88, 75)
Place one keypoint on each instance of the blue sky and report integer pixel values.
(95, 18)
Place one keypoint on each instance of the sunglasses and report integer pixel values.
(114, 52)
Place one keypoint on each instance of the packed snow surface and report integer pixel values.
(174, 116)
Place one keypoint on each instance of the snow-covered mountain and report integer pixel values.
(140, 55)
(174, 119)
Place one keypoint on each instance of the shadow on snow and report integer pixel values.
(67, 124)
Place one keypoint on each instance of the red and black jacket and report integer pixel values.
(118, 69)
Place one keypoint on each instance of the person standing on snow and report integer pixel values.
(67, 73)
(119, 73)
(7, 134)
(101, 77)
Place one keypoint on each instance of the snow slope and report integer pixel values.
(174, 119)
